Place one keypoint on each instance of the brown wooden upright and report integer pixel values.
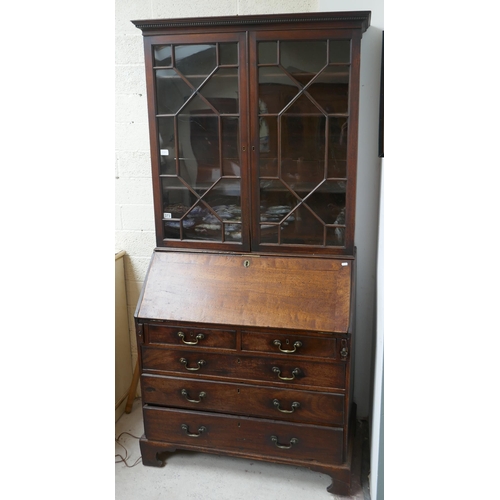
(245, 321)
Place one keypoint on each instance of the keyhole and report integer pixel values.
(246, 263)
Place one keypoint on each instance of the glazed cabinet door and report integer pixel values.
(198, 135)
(304, 104)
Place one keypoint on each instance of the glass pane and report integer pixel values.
(335, 236)
(269, 233)
(166, 140)
(172, 229)
(331, 89)
(225, 199)
(303, 137)
(268, 53)
(268, 138)
(202, 224)
(198, 105)
(303, 59)
(337, 147)
(302, 175)
(177, 198)
(276, 201)
(163, 55)
(230, 146)
(195, 62)
(171, 91)
(303, 105)
(302, 228)
(232, 232)
(228, 53)
(340, 51)
(199, 146)
(221, 90)
(328, 201)
(276, 89)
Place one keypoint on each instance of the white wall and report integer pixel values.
(134, 203)
(368, 189)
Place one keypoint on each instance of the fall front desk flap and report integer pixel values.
(249, 290)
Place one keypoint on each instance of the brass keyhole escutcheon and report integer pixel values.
(246, 263)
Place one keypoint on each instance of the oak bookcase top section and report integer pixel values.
(249, 290)
(350, 19)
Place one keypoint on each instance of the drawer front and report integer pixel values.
(188, 336)
(281, 404)
(279, 343)
(278, 370)
(199, 430)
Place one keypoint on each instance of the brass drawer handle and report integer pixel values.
(201, 430)
(295, 345)
(295, 405)
(295, 371)
(184, 362)
(293, 441)
(201, 395)
(198, 337)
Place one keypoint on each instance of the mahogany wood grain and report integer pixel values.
(244, 434)
(249, 290)
(211, 337)
(244, 368)
(309, 346)
(243, 399)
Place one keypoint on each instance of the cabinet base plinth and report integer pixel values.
(339, 474)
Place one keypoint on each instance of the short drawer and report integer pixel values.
(241, 399)
(279, 370)
(200, 430)
(198, 337)
(289, 344)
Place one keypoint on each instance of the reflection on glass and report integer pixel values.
(302, 175)
(328, 202)
(202, 224)
(335, 236)
(199, 146)
(163, 55)
(166, 139)
(171, 91)
(268, 53)
(337, 147)
(303, 137)
(221, 90)
(224, 198)
(230, 148)
(303, 59)
(177, 198)
(340, 51)
(228, 53)
(276, 201)
(331, 89)
(195, 62)
(276, 88)
(302, 227)
(199, 143)
(269, 233)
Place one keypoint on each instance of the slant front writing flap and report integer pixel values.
(263, 291)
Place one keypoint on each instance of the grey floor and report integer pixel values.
(189, 475)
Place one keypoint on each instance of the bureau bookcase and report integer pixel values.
(246, 317)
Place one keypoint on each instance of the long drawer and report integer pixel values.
(269, 402)
(200, 430)
(274, 370)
